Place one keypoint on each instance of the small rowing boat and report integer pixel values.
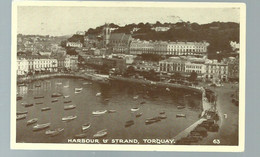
(69, 107)
(80, 135)
(100, 134)
(99, 112)
(163, 112)
(32, 121)
(22, 116)
(143, 102)
(163, 116)
(135, 97)
(55, 100)
(19, 98)
(59, 83)
(66, 86)
(180, 115)
(56, 95)
(98, 94)
(66, 96)
(134, 109)
(21, 112)
(54, 132)
(87, 83)
(86, 126)
(129, 123)
(180, 107)
(41, 126)
(77, 92)
(45, 108)
(111, 111)
(68, 118)
(67, 101)
(138, 115)
(78, 89)
(37, 103)
(28, 105)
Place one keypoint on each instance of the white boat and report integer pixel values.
(68, 118)
(45, 108)
(66, 96)
(100, 134)
(77, 92)
(32, 121)
(54, 132)
(86, 126)
(99, 112)
(78, 89)
(21, 112)
(135, 97)
(69, 107)
(22, 116)
(66, 86)
(180, 115)
(134, 109)
(41, 126)
(98, 94)
(87, 83)
(58, 83)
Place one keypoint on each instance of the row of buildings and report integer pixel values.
(33, 64)
(206, 69)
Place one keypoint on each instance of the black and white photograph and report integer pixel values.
(128, 76)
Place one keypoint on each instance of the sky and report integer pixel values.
(64, 20)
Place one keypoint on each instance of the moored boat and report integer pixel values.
(32, 121)
(59, 83)
(152, 120)
(56, 95)
(69, 107)
(98, 94)
(78, 89)
(87, 83)
(163, 112)
(180, 115)
(28, 105)
(180, 107)
(135, 97)
(67, 101)
(21, 116)
(55, 100)
(41, 126)
(76, 92)
(163, 116)
(37, 103)
(66, 96)
(80, 135)
(38, 97)
(134, 109)
(21, 112)
(100, 134)
(66, 86)
(99, 112)
(45, 108)
(143, 102)
(111, 111)
(54, 132)
(138, 114)
(86, 126)
(19, 98)
(129, 123)
(68, 118)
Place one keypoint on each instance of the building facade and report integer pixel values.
(74, 44)
(216, 72)
(22, 66)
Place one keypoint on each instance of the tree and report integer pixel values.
(193, 76)
(177, 76)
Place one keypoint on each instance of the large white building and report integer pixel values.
(22, 66)
(45, 64)
(169, 48)
(74, 44)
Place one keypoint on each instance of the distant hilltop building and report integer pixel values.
(161, 29)
(235, 46)
(74, 44)
(80, 33)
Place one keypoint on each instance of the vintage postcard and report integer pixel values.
(133, 76)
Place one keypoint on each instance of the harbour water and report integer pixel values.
(114, 96)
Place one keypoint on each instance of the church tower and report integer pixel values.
(106, 34)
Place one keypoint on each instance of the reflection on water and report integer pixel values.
(115, 96)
